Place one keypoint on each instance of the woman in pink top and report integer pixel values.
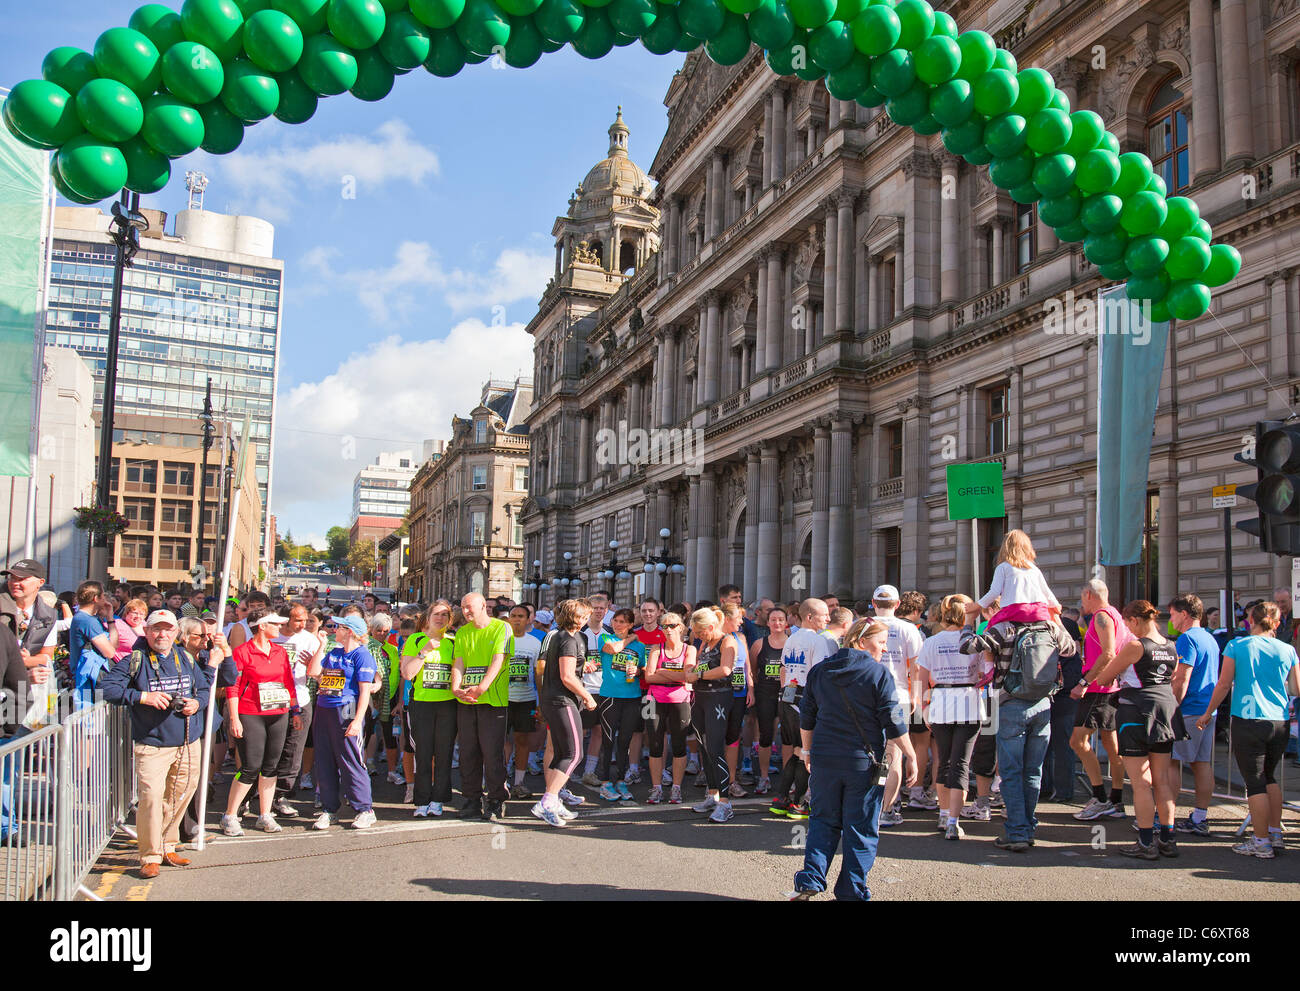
(1107, 634)
(670, 705)
(1018, 587)
(130, 627)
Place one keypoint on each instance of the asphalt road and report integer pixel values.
(635, 851)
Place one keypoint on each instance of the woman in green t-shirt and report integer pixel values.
(426, 662)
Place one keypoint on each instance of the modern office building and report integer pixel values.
(201, 300)
(381, 495)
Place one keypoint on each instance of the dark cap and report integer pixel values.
(26, 568)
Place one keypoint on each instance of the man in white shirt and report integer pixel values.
(901, 650)
(803, 650)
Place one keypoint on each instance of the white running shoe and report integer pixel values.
(633, 776)
(692, 766)
(396, 778)
(421, 811)
(410, 795)
(569, 798)
(735, 791)
(591, 781)
(666, 778)
(267, 824)
(230, 826)
(708, 805)
(364, 820)
(548, 815)
(977, 811)
(1093, 810)
(890, 819)
(722, 813)
(1255, 847)
(764, 786)
(954, 830)
(323, 821)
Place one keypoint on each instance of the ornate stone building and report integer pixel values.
(840, 309)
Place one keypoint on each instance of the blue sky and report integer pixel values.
(398, 302)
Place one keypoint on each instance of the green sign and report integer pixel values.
(975, 492)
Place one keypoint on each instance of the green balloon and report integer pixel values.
(159, 24)
(1004, 60)
(937, 60)
(42, 114)
(1100, 213)
(1146, 255)
(446, 53)
(1189, 257)
(927, 125)
(1188, 300)
(1109, 143)
(1183, 213)
(871, 97)
(1036, 88)
(109, 110)
(664, 34)
(1024, 193)
(831, 45)
(731, 44)
(1049, 131)
(780, 59)
(218, 24)
(1056, 211)
(596, 3)
(1144, 212)
(250, 7)
(1134, 174)
(272, 41)
(635, 17)
(772, 24)
(171, 126)
(846, 82)
(966, 137)
(1102, 249)
(309, 15)
(995, 92)
(525, 45)
(193, 72)
(944, 25)
(845, 10)
(807, 13)
(1059, 101)
(1014, 170)
(65, 190)
(327, 65)
(622, 40)
(1149, 285)
(517, 8)
(977, 51)
(1004, 135)
(297, 101)
(223, 132)
(250, 93)
(806, 69)
(1098, 170)
(597, 35)
(1054, 174)
(483, 27)
(375, 76)
(702, 18)
(357, 23)
(440, 13)
(405, 44)
(909, 107)
(472, 58)
(1225, 263)
(91, 168)
(952, 103)
(876, 30)
(1086, 129)
(1156, 184)
(561, 20)
(147, 171)
(1202, 230)
(1159, 311)
(687, 42)
(1072, 232)
(69, 68)
(917, 19)
(551, 47)
(978, 156)
(130, 58)
(892, 72)
(1114, 271)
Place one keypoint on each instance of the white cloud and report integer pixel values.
(389, 397)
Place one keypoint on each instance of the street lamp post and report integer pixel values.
(664, 563)
(567, 582)
(615, 572)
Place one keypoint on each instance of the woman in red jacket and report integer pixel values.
(260, 701)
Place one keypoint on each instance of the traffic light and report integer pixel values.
(1277, 488)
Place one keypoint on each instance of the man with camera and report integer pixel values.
(166, 691)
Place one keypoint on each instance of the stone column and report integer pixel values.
(775, 312)
(981, 280)
(997, 253)
(950, 265)
(1238, 112)
(769, 523)
(821, 494)
(720, 193)
(1167, 539)
(559, 257)
(778, 133)
(864, 468)
(706, 566)
(672, 375)
(896, 301)
(674, 231)
(843, 323)
(873, 294)
(752, 485)
(634, 404)
(760, 337)
(1205, 91)
(833, 114)
(767, 141)
(701, 350)
(692, 541)
(839, 552)
(584, 448)
(1089, 531)
(657, 381)
(830, 247)
(614, 249)
(713, 325)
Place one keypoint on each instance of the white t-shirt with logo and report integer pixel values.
(592, 680)
(523, 668)
(802, 650)
(300, 647)
(942, 657)
(902, 646)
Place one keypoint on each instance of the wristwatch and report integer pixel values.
(1084, 683)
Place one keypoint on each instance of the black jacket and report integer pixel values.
(13, 700)
(868, 686)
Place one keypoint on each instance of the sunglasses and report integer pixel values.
(674, 626)
(331, 626)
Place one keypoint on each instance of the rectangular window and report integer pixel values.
(997, 419)
(521, 478)
(990, 546)
(480, 431)
(638, 523)
(894, 452)
(517, 531)
(478, 527)
(141, 476)
(1148, 568)
(888, 272)
(1026, 235)
(139, 512)
(584, 547)
(892, 539)
(178, 477)
(480, 478)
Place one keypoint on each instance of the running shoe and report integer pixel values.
(666, 778)
(943, 822)
(421, 811)
(534, 766)
(1255, 847)
(953, 830)
(1117, 812)
(890, 818)
(1015, 846)
(1190, 825)
(396, 778)
(316, 803)
(1141, 851)
(1167, 848)
(656, 795)
(780, 806)
(548, 815)
(433, 809)
(800, 811)
(569, 798)
(590, 780)
(410, 795)
(609, 793)
(675, 796)
(1093, 810)
(735, 791)
(977, 810)
(708, 805)
(306, 784)
(364, 820)
(800, 896)
(633, 776)
(722, 813)
(692, 766)
(230, 826)
(564, 813)
(282, 807)
(764, 786)
(494, 812)
(920, 800)
(519, 792)
(243, 810)
(323, 821)
(995, 800)
(471, 809)
(267, 824)
(624, 792)
(1276, 841)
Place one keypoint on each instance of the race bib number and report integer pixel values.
(772, 670)
(331, 684)
(273, 695)
(473, 677)
(519, 672)
(737, 677)
(435, 674)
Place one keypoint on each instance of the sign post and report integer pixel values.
(1225, 497)
(975, 493)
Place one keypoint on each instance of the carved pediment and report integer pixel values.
(701, 81)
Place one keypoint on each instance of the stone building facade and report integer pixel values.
(839, 309)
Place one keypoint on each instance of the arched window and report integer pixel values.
(1167, 135)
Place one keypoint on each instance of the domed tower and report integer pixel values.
(611, 229)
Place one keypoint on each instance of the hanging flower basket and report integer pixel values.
(99, 520)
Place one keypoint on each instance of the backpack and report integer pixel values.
(1035, 671)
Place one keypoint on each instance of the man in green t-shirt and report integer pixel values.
(480, 680)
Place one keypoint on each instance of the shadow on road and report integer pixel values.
(544, 891)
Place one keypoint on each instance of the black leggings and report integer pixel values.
(262, 744)
(709, 721)
(736, 719)
(1258, 745)
(433, 730)
(618, 718)
(984, 759)
(956, 742)
(564, 723)
(765, 708)
(673, 718)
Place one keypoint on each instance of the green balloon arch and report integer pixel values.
(170, 83)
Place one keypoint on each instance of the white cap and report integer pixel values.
(545, 616)
(885, 593)
(272, 617)
(160, 616)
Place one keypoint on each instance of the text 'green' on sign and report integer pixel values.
(975, 491)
